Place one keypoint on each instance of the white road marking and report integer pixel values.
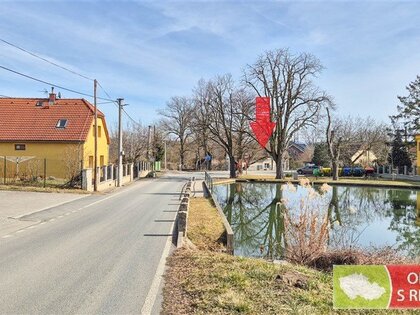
(50, 207)
(20, 231)
(68, 213)
(51, 220)
(32, 227)
(154, 288)
(7, 236)
(60, 216)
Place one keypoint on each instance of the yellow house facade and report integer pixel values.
(418, 153)
(51, 137)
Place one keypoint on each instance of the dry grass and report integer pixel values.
(215, 283)
(306, 235)
(202, 282)
(354, 256)
(205, 227)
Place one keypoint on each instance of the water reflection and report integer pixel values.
(358, 216)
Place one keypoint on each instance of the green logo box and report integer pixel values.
(361, 287)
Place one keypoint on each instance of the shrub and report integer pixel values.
(306, 234)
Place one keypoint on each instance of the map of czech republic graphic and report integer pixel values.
(376, 286)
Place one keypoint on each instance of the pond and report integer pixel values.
(357, 215)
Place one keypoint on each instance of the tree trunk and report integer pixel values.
(335, 169)
(232, 166)
(279, 166)
(181, 154)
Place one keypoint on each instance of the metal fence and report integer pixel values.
(403, 170)
(34, 171)
(110, 172)
(209, 181)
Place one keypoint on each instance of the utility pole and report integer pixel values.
(148, 143)
(95, 163)
(120, 148)
(166, 165)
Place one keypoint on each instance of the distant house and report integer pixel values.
(296, 149)
(268, 164)
(61, 131)
(294, 152)
(364, 158)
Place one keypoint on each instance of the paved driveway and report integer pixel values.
(15, 204)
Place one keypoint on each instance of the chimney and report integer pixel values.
(52, 97)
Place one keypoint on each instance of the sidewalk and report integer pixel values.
(197, 189)
(16, 204)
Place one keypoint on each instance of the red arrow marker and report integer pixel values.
(262, 126)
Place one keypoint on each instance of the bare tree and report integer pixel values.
(134, 140)
(200, 125)
(295, 100)
(177, 119)
(221, 109)
(342, 136)
(334, 141)
(246, 147)
(371, 136)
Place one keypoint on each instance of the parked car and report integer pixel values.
(307, 170)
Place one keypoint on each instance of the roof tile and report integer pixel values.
(22, 120)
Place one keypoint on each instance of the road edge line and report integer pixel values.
(150, 300)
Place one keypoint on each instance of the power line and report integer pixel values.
(106, 93)
(116, 104)
(101, 103)
(44, 59)
(51, 84)
(131, 118)
(109, 100)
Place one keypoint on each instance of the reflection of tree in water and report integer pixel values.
(355, 209)
(403, 213)
(257, 220)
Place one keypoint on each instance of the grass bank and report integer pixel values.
(200, 279)
(204, 282)
(205, 227)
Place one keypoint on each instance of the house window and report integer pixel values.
(99, 131)
(20, 147)
(62, 123)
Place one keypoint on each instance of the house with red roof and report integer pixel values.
(58, 131)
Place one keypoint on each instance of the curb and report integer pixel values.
(182, 215)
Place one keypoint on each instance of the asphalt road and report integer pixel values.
(103, 254)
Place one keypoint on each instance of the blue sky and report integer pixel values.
(148, 51)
